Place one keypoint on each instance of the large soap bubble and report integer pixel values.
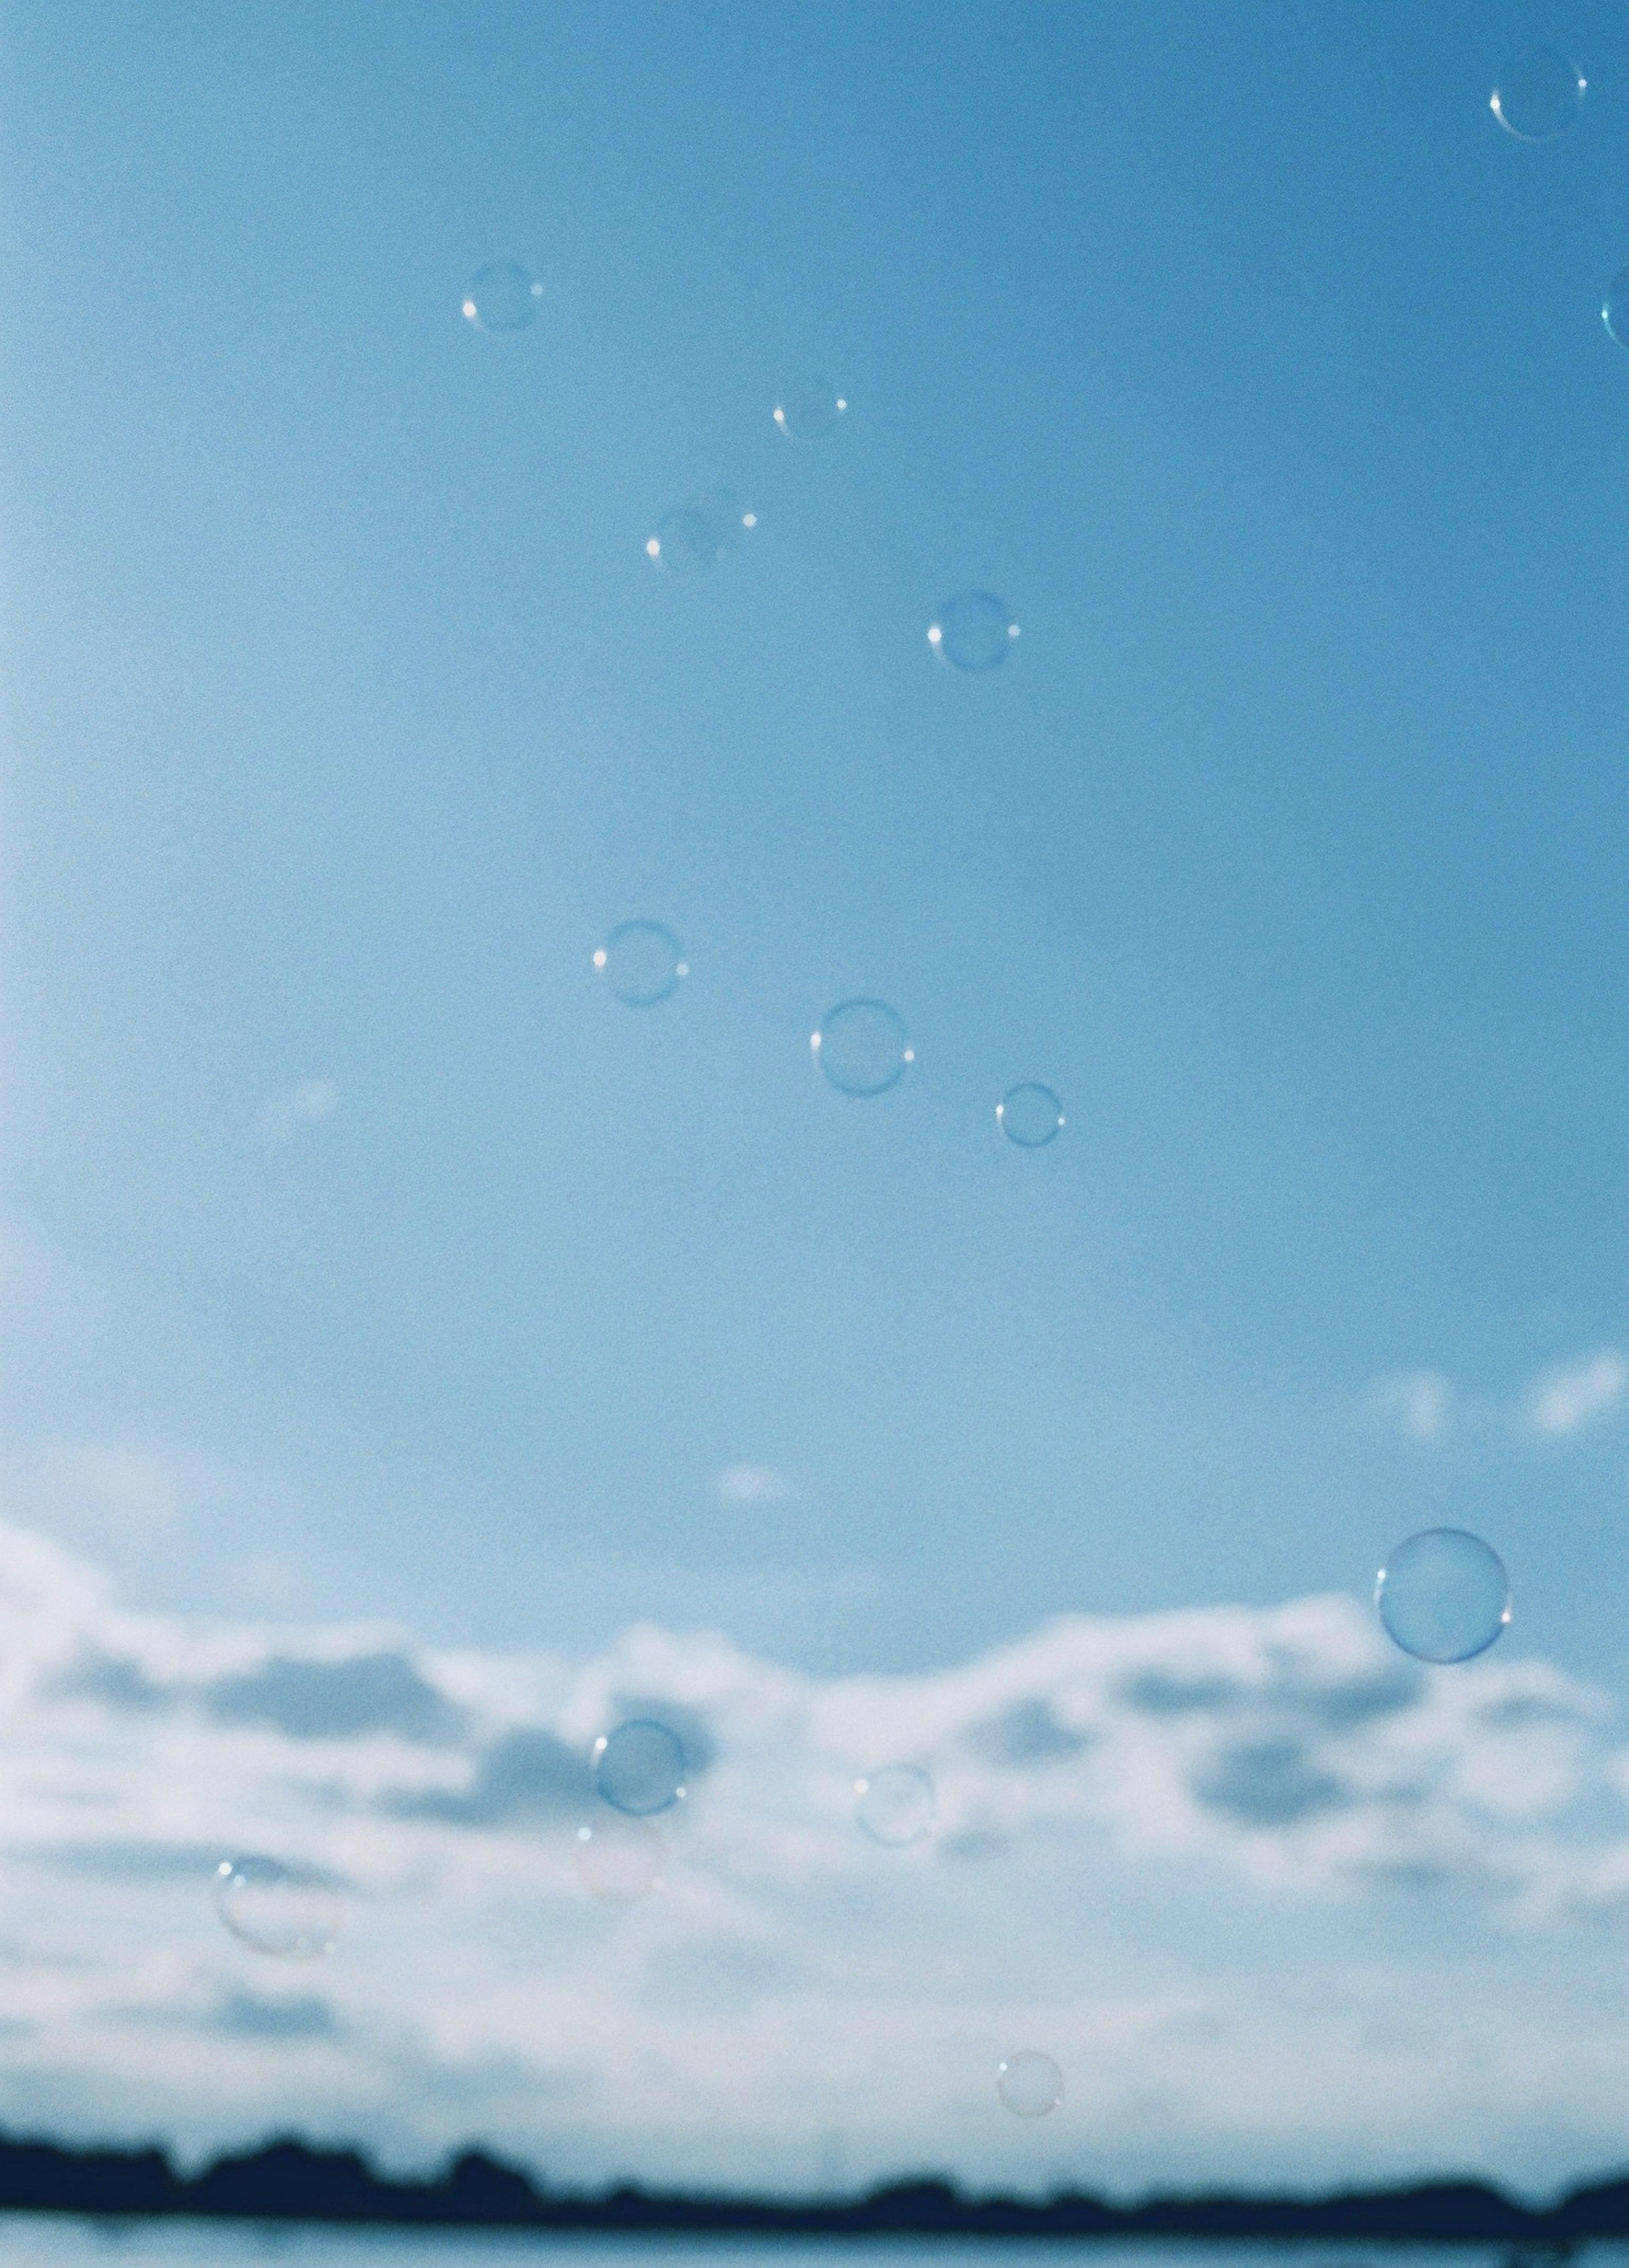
(1538, 95)
(643, 962)
(640, 1767)
(697, 536)
(862, 1047)
(290, 1912)
(973, 632)
(502, 297)
(1443, 1595)
(1030, 1115)
(1030, 2083)
(895, 1805)
(810, 409)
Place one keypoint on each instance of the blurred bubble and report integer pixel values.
(697, 536)
(1030, 2083)
(1615, 308)
(972, 631)
(502, 297)
(1538, 95)
(1443, 1595)
(287, 1912)
(809, 410)
(895, 1805)
(862, 1047)
(620, 1861)
(640, 1768)
(1030, 1115)
(642, 962)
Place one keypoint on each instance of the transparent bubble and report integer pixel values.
(1030, 2083)
(809, 410)
(1615, 308)
(1538, 95)
(895, 1805)
(642, 962)
(640, 1768)
(287, 1912)
(620, 1861)
(862, 1047)
(697, 536)
(502, 297)
(1443, 1595)
(1030, 1115)
(972, 631)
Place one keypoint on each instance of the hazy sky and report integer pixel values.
(365, 1257)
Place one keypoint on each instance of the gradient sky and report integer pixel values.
(364, 1257)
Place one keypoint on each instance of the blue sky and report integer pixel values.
(1260, 373)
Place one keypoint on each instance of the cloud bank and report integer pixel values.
(1284, 1905)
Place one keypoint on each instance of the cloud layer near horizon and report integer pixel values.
(1284, 1905)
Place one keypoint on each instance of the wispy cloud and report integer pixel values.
(752, 1484)
(307, 1104)
(1577, 1394)
(1188, 1853)
(1419, 1401)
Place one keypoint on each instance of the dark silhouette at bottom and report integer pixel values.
(288, 2181)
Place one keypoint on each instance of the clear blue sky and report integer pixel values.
(1258, 370)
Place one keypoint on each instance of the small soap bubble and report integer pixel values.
(1443, 1595)
(895, 1805)
(973, 632)
(862, 1047)
(287, 1912)
(502, 297)
(1030, 1115)
(1615, 308)
(640, 1768)
(1538, 95)
(620, 1861)
(642, 962)
(1030, 2083)
(697, 536)
(809, 410)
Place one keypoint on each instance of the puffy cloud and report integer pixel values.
(1419, 1401)
(1286, 1905)
(1576, 1395)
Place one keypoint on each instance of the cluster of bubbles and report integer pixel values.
(1537, 96)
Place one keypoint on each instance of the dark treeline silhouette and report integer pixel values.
(287, 2180)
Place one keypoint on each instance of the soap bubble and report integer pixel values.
(620, 1861)
(640, 1768)
(642, 962)
(895, 1805)
(502, 297)
(287, 1912)
(862, 1047)
(1030, 2083)
(972, 631)
(809, 410)
(1030, 1116)
(1615, 308)
(695, 536)
(1538, 95)
(1443, 1595)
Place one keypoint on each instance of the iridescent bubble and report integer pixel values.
(502, 297)
(620, 1861)
(642, 962)
(809, 410)
(1443, 1595)
(972, 631)
(1538, 95)
(1615, 308)
(697, 536)
(288, 1912)
(862, 1047)
(895, 1805)
(640, 1768)
(1030, 2083)
(1030, 1115)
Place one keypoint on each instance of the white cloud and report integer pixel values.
(304, 1104)
(1420, 1402)
(752, 1484)
(1567, 1398)
(1284, 1905)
